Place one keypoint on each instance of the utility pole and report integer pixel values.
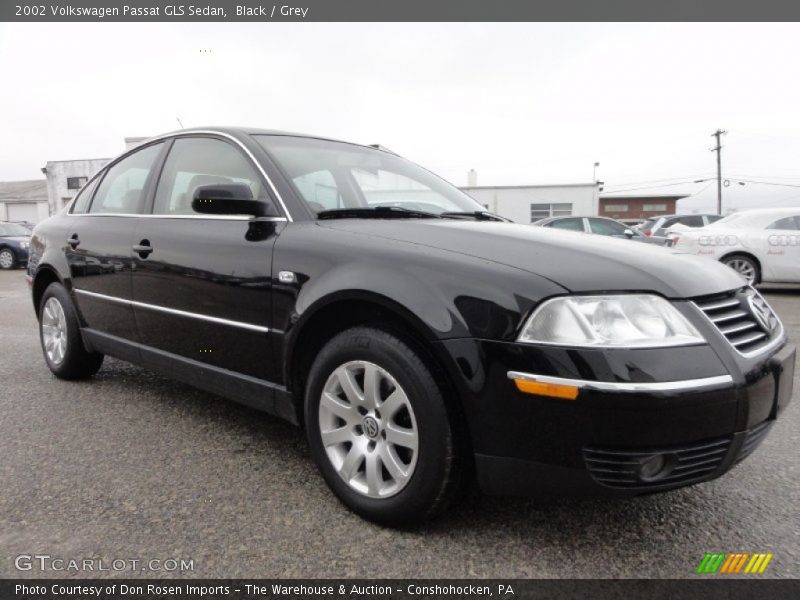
(717, 134)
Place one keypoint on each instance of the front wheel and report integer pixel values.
(7, 259)
(59, 332)
(379, 429)
(746, 266)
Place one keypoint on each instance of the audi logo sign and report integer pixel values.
(784, 239)
(718, 240)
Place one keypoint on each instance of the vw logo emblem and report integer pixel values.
(370, 426)
(760, 312)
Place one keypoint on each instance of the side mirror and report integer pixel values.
(227, 199)
(629, 233)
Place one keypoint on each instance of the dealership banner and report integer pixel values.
(399, 10)
(344, 589)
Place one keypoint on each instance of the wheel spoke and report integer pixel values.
(401, 436)
(349, 385)
(337, 407)
(372, 382)
(392, 463)
(396, 400)
(338, 436)
(373, 472)
(351, 463)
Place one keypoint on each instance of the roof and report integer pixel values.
(643, 196)
(32, 190)
(522, 187)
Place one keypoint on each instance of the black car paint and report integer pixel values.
(462, 287)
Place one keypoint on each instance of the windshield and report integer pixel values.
(335, 175)
(13, 230)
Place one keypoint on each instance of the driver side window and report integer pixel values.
(195, 162)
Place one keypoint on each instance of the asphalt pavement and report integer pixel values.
(131, 466)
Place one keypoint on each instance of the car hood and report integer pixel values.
(579, 262)
(15, 238)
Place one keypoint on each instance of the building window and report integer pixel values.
(654, 207)
(75, 183)
(542, 211)
(616, 208)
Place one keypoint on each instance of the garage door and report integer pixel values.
(22, 212)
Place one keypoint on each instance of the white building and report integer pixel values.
(66, 177)
(24, 201)
(529, 203)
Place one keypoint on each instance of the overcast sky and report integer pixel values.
(520, 103)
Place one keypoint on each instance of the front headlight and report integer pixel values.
(621, 321)
(24, 245)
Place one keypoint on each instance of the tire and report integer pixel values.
(8, 260)
(745, 265)
(60, 337)
(391, 482)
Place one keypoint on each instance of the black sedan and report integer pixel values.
(14, 242)
(417, 339)
(602, 226)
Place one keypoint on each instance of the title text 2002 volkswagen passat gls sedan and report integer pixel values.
(417, 338)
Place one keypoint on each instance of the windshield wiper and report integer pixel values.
(376, 212)
(478, 215)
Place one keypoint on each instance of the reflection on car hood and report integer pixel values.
(15, 238)
(577, 261)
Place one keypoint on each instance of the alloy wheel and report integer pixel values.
(6, 259)
(54, 331)
(368, 429)
(744, 267)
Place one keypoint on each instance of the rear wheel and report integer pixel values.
(745, 265)
(379, 429)
(59, 332)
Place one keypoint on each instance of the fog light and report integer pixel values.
(656, 467)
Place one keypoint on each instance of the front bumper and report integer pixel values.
(630, 409)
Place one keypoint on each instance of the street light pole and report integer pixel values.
(718, 150)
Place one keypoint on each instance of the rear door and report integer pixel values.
(99, 238)
(783, 248)
(203, 286)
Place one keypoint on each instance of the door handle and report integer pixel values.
(74, 241)
(143, 248)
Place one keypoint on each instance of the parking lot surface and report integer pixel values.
(130, 465)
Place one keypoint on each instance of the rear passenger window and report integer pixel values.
(787, 223)
(569, 224)
(122, 188)
(84, 197)
(693, 221)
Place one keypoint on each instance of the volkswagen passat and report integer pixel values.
(418, 339)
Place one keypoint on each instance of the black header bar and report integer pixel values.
(398, 10)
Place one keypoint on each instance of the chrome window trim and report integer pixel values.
(197, 216)
(624, 386)
(181, 313)
(202, 132)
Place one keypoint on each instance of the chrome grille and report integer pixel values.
(621, 468)
(743, 317)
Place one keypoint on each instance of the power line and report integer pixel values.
(650, 187)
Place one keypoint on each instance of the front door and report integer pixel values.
(99, 239)
(202, 286)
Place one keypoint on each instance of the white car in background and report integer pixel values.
(763, 245)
